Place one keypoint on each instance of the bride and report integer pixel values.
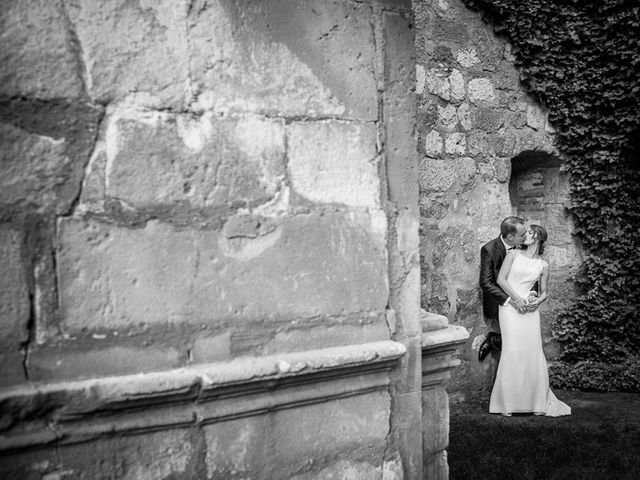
(522, 380)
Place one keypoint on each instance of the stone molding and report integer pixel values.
(70, 412)
(438, 352)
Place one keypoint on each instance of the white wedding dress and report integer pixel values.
(522, 380)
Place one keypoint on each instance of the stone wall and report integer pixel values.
(474, 122)
(209, 232)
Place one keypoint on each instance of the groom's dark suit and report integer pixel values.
(491, 257)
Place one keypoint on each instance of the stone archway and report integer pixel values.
(539, 192)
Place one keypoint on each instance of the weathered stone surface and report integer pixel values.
(157, 161)
(331, 428)
(536, 118)
(447, 118)
(131, 48)
(110, 277)
(237, 448)
(465, 116)
(480, 91)
(489, 119)
(371, 329)
(434, 144)
(467, 57)
(466, 170)
(69, 363)
(334, 162)
(14, 291)
(345, 470)
(287, 58)
(12, 367)
(420, 79)
(45, 148)
(40, 464)
(150, 456)
(456, 80)
(435, 412)
(33, 167)
(455, 143)
(211, 349)
(438, 83)
(37, 56)
(399, 107)
(436, 175)
(478, 143)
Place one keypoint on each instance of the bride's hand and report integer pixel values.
(533, 305)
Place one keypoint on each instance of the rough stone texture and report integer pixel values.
(45, 149)
(150, 456)
(404, 268)
(14, 306)
(237, 448)
(251, 191)
(111, 277)
(435, 412)
(133, 49)
(68, 363)
(334, 162)
(159, 162)
(328, 429)
(466, 177)
(287, 57)
(43, 65)
(14, 291)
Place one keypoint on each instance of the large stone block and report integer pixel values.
(37, 55)
(45, 147)
(70, 362)
(151, 456)
(334, 162)
(309, 265)
(12, 369)
(344, 470)
(237, 449)
(133, 48)
(436, 175)
(435, 420)
(400, 112)
(162, 162)
(329, 430)
(284, 57)
(32, 167)
(14, 291)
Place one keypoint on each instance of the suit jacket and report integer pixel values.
(491, 257)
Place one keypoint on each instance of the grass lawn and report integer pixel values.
(581, 447)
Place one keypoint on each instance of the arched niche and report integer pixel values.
(539, 192)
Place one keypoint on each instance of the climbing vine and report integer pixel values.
(581, 58)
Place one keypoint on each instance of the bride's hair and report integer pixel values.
(540, 234)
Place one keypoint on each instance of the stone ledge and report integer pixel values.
(69, 412)
(438, 353)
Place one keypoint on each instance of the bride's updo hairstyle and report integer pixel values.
(539, 234)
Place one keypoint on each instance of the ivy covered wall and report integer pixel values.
(581, 59)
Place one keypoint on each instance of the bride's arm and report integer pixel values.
(544, 281)
(516, 299)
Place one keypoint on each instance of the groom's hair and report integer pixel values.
(509, 226)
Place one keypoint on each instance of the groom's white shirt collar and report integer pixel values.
(506, 246)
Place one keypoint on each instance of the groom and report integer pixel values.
(512, 235)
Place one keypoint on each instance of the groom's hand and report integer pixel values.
(519, 304)
(533, 306)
